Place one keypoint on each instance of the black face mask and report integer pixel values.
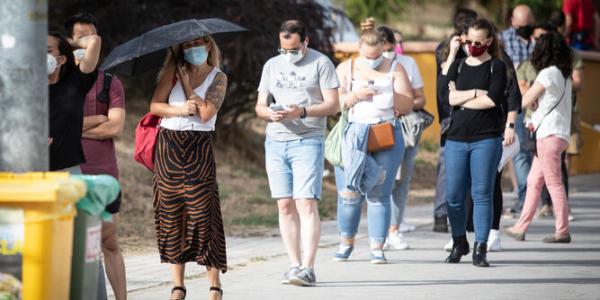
(525, 31)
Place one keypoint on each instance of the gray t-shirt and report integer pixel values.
(299, 84)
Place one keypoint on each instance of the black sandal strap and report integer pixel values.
(179, 288)
(216, 289)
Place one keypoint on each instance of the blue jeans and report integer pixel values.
(295, 168)
(378, 199)
(401, 187)
(521, 162)
(475, 163)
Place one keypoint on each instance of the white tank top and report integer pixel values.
(177, 98)
(381, 108)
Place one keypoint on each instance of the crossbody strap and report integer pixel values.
(553, 107)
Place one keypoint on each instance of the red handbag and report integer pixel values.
(146, 134)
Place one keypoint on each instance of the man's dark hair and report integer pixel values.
(387, 34)
(552, 50)
(558, 19)
(463, 19)
(293, 26)
(80, 17)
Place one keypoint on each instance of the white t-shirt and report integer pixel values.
(558, 121)
(177, 98)
(381, 106)
(412, 70)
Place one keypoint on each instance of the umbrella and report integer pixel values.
(148, 50)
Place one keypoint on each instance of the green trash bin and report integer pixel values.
(101, 191)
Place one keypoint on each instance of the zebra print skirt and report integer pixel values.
(187, 212)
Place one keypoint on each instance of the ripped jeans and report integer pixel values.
(378, 199)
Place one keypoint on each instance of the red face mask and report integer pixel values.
(477, 51)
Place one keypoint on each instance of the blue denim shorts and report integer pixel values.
(295, 168)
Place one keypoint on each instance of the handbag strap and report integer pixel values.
(553, 107)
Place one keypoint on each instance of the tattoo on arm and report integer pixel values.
(216, 92)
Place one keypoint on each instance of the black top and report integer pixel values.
(513, 93)
(470, 125)
(66, 99)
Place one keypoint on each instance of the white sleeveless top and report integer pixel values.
(381, 108)
(177, 98)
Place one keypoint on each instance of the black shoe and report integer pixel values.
(460, 248)
(480, 255)
(440, 224)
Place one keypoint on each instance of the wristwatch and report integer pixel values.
(303, 114)
(510, 125)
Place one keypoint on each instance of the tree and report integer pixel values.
(382, 10)
(120, 21)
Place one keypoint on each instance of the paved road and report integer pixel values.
(525, 270)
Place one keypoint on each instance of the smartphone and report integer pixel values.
(276, 107)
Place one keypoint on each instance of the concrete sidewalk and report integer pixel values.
(525, 270)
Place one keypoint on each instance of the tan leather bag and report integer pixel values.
(381, 137)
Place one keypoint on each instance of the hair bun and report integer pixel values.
(367, 24)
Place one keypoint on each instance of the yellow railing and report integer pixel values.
(589, 99)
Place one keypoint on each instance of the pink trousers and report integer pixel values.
(546, 168)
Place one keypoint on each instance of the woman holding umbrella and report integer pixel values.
(189, 226)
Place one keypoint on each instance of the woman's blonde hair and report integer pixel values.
(370, 37)
(214, 56)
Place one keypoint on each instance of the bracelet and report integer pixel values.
(510, 125)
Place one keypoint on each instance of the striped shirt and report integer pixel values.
(517, 49)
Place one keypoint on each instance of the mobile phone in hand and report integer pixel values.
(276, 107)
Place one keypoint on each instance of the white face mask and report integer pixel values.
(293, 58)
(51, 63)
(389, 54)
(79, 54)
(373, 63)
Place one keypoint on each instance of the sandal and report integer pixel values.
(178, 288)
(216, 289)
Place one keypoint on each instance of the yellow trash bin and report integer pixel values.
(36, 222)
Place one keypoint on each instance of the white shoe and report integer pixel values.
(404, 228)
(494, 241)
(449, 245)
(571, 217)
(396, 242)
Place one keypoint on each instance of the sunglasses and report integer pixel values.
(476, 43)
(293, 52)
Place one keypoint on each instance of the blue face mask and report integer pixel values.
(195, 55)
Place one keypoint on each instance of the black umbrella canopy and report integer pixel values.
(148, 50)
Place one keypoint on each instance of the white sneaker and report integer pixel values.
(404, 228)
(396, 242)
(571, 217)
(494, 241)
(449, 245)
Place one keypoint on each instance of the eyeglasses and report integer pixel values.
(293, 52)
(476, 43)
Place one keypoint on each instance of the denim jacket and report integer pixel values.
(361, 171)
